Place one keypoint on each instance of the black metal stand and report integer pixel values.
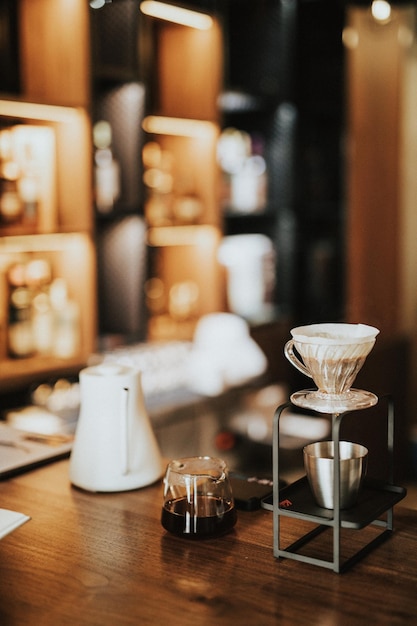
(297, 501)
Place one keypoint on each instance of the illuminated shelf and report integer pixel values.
(17, 373)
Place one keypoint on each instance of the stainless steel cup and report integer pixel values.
(319, 466)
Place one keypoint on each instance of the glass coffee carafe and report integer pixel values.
(198, 499)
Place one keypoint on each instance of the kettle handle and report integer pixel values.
(124, 440)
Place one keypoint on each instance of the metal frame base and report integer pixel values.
(322, 524)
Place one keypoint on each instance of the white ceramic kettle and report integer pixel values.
(115, 448)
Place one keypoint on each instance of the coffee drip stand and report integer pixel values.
(375, 499)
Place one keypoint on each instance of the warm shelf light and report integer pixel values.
(35, 111)
(47, 242)
(350, 37)
(160, 125)
(381, 11)
(178, 15)
(201, 236)
(98, 4)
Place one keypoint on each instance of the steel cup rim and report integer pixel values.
(360, 450)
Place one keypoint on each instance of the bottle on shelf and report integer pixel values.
(42, 319)
(20, 342)
(66, 343)
(106, 170)
(39, 277)
(240, 156)
(28, 188)
(11, 206)
(187, 207)
(159, 180)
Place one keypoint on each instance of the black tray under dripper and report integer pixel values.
(374, 499)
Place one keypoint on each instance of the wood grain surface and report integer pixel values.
(98, 559)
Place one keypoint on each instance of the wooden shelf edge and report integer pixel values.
(19, 373)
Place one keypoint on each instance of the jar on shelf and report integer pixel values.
(20, 340)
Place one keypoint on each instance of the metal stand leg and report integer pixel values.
(336, 523)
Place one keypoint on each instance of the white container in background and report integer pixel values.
(249, 261)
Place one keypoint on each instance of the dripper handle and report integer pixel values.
(293, 359)
(124, 431)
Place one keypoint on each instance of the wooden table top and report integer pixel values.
(98, 559)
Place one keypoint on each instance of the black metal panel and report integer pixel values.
(9, 48)
(260, 43)
(114, 30)
(124, 108)
(122, 259)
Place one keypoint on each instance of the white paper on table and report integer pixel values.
(10, 520)
(20, 451)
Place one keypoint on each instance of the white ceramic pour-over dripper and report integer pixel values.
(115, 448)
(332, 355)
